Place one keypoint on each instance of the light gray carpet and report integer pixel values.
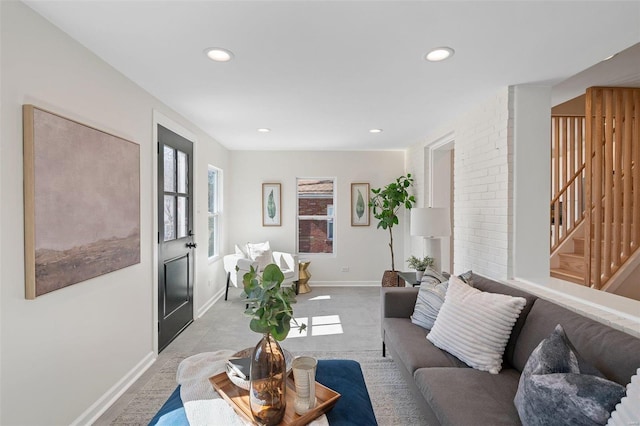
(392, 401)
(354, 315)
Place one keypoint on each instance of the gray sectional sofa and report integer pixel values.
(451, 393)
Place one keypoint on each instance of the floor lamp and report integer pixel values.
(431, 223)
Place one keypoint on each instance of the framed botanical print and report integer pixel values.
(271, 204)
(359, 204)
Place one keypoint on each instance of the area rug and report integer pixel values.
(392, 401)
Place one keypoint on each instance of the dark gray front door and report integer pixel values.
(175, 236)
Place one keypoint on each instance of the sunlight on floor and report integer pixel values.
(320, 326)
(327, 297)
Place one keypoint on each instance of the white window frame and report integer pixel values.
(217, 209)
(327, 217)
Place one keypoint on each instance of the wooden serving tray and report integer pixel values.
(239, 400)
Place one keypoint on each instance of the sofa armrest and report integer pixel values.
(236, 266)
(398, 302)
(287, 261)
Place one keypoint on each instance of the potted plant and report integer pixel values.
(269, 307)
(386, 203)
(419, 264)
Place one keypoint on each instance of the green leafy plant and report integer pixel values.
(269, 304)
(360, 205)
(271, 206)
(386, 203)
(420, 264)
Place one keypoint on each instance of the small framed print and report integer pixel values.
(359, 204)
(271, 204)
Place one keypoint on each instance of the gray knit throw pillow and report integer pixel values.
(556, 385)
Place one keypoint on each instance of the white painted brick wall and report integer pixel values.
(482, 186)
(482, 183)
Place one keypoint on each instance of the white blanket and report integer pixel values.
(202, 404)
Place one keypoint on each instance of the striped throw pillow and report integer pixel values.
(475, 326)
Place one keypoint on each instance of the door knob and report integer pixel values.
(192, 245)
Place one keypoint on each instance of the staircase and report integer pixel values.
(572, 264)
(594, 168)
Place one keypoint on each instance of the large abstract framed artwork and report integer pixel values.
(359, 204)
(271, 215)
(82, 202)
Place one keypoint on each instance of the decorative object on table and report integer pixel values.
(420, 265)
(82, 202)
(304, 276)
(271, 204)
(386, 203)
(269, 307)
(431, 223)
(239, 400)
(304, 376)
(359, 204)
(245, 354)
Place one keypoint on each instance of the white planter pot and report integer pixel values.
(419, 275)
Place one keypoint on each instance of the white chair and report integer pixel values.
(258, 255)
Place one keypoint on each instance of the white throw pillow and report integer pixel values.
(261, 253)
(475, 326)
(240, 252)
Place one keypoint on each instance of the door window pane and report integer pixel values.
(183, 170)
(169, 217)
(183, 222)
(169, 169)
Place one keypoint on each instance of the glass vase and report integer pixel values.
(267, 394)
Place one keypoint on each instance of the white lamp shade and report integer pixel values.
(430, 222)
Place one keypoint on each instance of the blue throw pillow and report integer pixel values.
(557, 385)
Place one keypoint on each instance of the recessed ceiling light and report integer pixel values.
(219, 54)
(375, 131)
(439, 54)
(609, 57)
(264, 130)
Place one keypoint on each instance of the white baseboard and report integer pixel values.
(105, 401)
(345, 284)
(203, 310)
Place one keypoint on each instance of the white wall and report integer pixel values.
(67, 353)
(531, 154)
(364, 250)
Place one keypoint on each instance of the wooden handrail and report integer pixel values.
(567, 185)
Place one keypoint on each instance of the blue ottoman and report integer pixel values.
(343, 376)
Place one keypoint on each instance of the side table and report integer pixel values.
(409, 278)
(303, 277)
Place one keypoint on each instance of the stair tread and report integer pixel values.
(567, 275)
(574, 255)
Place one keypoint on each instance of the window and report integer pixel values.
(316, 214)
(213, 209)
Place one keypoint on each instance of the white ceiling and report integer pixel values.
(321, 74)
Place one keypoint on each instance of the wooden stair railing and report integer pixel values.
(567, 176)
(612, 140)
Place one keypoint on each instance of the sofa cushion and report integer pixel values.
(464, 396)
(475, 326)
(413, 349)
(614, 353)
(491, 286)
